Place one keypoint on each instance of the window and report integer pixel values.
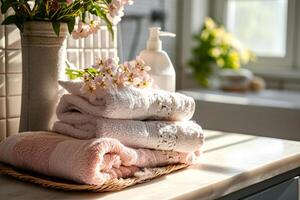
(267, 27)
(259, 25)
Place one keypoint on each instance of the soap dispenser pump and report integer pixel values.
(162, 70)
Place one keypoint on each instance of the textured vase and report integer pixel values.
(43, 58)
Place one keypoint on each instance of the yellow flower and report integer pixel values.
(227, 39)
(204, 35)
(216, 33)
(209, 23)
(234, 59)
(215, 52)
(220, 62)
(245, 56)
(221, 31)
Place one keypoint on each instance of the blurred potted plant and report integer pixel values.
(44, 25)
(217, 49)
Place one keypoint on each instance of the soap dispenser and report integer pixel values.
(162, 70)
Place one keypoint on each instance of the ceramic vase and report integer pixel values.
(43, 58)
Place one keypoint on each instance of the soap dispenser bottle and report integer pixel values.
(162, 70)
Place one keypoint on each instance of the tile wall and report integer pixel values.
(80, 52)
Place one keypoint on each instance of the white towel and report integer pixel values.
(161, 135)
(128, 103)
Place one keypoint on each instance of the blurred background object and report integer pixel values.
(267, 28)
(216, 49)
(134, 27)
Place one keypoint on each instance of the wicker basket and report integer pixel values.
(110, 186)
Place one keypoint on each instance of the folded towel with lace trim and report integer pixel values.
(127, 103)
(181, 136)
(84, 161)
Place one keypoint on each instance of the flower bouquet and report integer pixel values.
(44, 26)
(216, 47)
(109, 73)
(65, 11)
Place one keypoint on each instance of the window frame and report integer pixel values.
(289, 63)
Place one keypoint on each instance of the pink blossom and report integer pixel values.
(69, 1)
(116, 10)
(139, 60)
(120, 79)
(140, 65)
(89, 88)
(128, 67)
(145, 82)
(109, 67)
(129, 2)
(136, 81)
(111, 74)
(82, 31)
(98, 64)
(100, 81)
(94, 26)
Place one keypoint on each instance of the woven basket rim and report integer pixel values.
(110, 186)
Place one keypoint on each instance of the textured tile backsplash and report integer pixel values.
(83, 52)
(80, 52)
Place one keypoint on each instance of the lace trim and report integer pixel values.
(171, 156)
(167, 137)
(164, 106)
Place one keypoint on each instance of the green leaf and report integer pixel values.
(110, 27)
(91, 71)
(56, 28)
(100, 13)
(12, 19)
(7, 4)
(20, 25)
(74, 73)
(83, 15)
(71, 25)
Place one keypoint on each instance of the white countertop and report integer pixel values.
(230, 162)
(270, 113)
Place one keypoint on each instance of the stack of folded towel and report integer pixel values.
(113, 135)
(138, 118)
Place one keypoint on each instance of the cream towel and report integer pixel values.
(161, 135)
(128, 103)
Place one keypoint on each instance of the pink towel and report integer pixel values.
(84, 161)
(127, 103)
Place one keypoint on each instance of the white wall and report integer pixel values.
(193, 15)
